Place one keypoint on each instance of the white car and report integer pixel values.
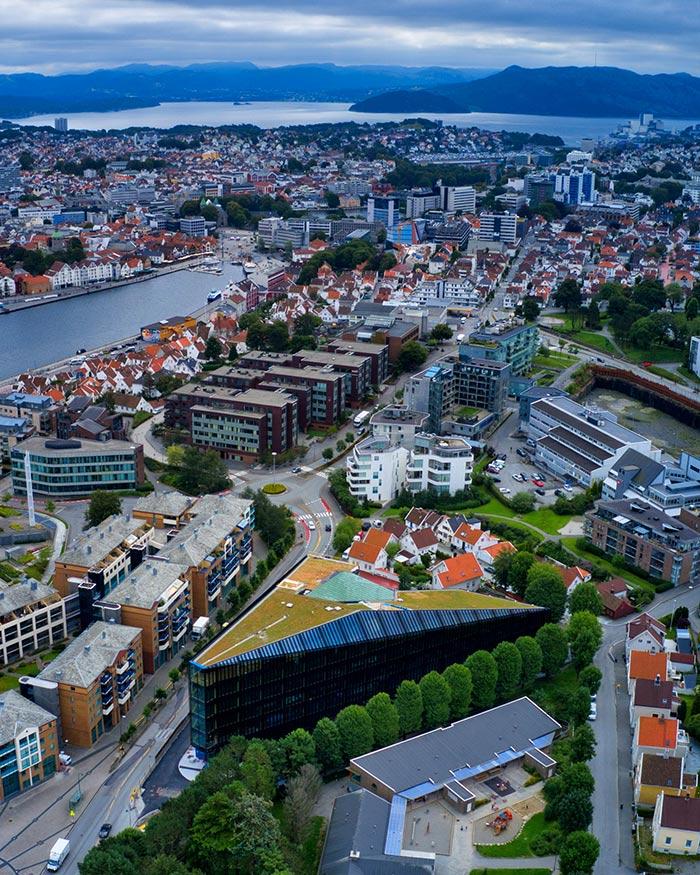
(504, 490)
(593, 713)
(312, 526)
(517, 477)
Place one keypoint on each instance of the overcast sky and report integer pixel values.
(63, 35)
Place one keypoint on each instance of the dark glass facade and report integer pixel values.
(274, 689)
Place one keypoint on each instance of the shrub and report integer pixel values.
(274, 488)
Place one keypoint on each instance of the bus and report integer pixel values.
(361, 419)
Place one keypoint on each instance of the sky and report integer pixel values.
(53, 36)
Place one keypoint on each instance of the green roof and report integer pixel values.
(344, 586)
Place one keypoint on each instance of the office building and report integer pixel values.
(440, 464)
(610, 211)
(29, 744)
(383, 209)
(457, 232)
(498, 227)
(193, 226)
(511, 342)
(398, 425)
(420, 201)
(91, 684)
(298, 655)
(376, 470)
(538, 189)
(60, 125)
(574, 186)
(645, 538)
(457, 198)
(668, 485)
(33, 617)
(75, 468)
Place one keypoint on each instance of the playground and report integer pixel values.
(503, 823)
(428, 827)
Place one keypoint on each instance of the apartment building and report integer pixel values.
(33, 616)
(377, 353)
(166, 510)
(75, 468)
(91, 684)
(216, 547)
(579, 442)
(29, 744)
(645, 538)
(155, 598)
(498, 227)
(103, 556)
(510, 342)
(376, 470)
(441, 464)
(398, 425)
(40, 410)
(358, 370)
(668, 485)
(572, 186)
(13, 431)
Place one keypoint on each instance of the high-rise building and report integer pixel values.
(498, 227)
(383, 209)
(440, 464)
(694, 356)
(60, 124)
(538, 189)
(574, 186)
(455, 198)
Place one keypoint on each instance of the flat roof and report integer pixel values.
(263, 397)
(37, 446)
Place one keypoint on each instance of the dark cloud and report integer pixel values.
(54, 35)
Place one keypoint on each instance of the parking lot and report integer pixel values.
(521, 466)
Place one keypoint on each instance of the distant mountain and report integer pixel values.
(572, 91)
(417, 100)
(26, 94)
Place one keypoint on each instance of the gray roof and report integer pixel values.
(37, 446)
(148, 583)
(636, 513)
(359, 823)
(216, 516)
(98, 542)
(88, 655)
(25, 592)
(18, 714)
(166, 503)
(436, 756)
(647, 469)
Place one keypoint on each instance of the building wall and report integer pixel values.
(43, 764)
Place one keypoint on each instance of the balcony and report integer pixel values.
(106, 710)
(125, 666)
(124, 698)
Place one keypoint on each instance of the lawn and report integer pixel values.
(688, 374)
(570, 544)
(557, 361)
(8, 682)
(544, 518)
(528, 871)
(520, 846)
(553, 695)
(666, 374)
(654, 354)
(592, 339)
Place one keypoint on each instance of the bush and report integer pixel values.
(547, 842)
(274, 488)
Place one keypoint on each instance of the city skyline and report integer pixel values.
(54, 36)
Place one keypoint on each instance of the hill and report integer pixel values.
(418, 100)
(567, 91)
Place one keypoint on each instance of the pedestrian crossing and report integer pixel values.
(312, 517)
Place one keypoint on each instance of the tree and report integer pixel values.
(299, 750)
(327, 453)
(578, 706)
(574, 811)
(385, 719)
(277, 336)
(568, 295)
(531, 656)
(531, 309)
(590, 678)
(409, 705)
(26, 160)
(522, 502)
(327, 741)
(209, 212)
(236, 215)
(256, 770)
(102, 505)
(436, 699)
(344, 533)
(554, 647)
(578, 853)
(518, 571)
(545, 587)
(691, 309)
(583, 744)
(509, 663)
(332, 199)
(501, 566)
(355, 732)
(213, 348)
(577, 776)
(484, 671)
(583, 649)
(593, 316)
(413, 354)
(584, 621)
(302, 792)
(459, 679)
(585, 597)
(202, 472)
(441, 332)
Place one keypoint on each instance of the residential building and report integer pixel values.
(384, 210)
(440, 464)
(676, 825)
(482, 384)
(538, 189)
(60, 125)
(369, 552)
(574, 186)
(652, 698)
(326, 654)
(168, 329)
(657, 775)
(659, 736)
(645, 538)
(91, 684)
(643, 665)
(460, 572)
(29, 744)
(357, 369)
(514, 343)
(103, 556)
(377, 353)
(670, 486)
(164, 510)
(498, 227)
(13, 431)
(40, 410)
(645, 633)
(614, 595)
(156, 598)
(33, 616)
(75, 468)
(398, 425)
(376, 470)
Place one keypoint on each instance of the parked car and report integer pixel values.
(296, 469)
(568, 487)
(538, 482)
(366, 526)
(64, 758)
(329, 527)
(540, 491)
(521, 452)
(504, 490)
(496, 479)
(105, 830)
(593, 713)
(559, 492)
(517, 477)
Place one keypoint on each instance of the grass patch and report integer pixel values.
(467, 411)
(528, 871)
(520, 846)
(654, 354)
(8, 682)
(613, 570)
(666, 374)
(554, 694)
(6, 511)
(688, 374)
(274, 488)
(544, 518)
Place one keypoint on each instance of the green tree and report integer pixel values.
(502, 565)
(459, 679)
(278, 336)
(102, 505)
(441, 332)
(303, 790)
(209, 212)
(327, 741)
(574, 811)
(590, 678)
(593, 316)
(484, 672)
(409, 705)
(531, 309)
(236, 215)
(584, 621)
(583, 744)
(332, 199)
(509, 664)
(554, 647)
(385, 719)
(344, 533)
(520, 566)
(299, 749)
(577, 776)
(583, 649)
(578, 706)
(26, 160)
(522, 502)
(327, 453)
(531, 656)
(355, 732)
(691, 309)
(585, 597)
(413, 354)
(256, 771)
(213, 348)
(545, 587)
(578, 853)
(568, 295)
(436, 699)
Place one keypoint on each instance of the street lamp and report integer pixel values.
(274, 460)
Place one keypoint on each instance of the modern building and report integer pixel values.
(670, 486)
(74, 468)
(694, 356)
(291, 658)
(538, 189)
(377, 353)
(164, 510)
(398, 425)
(383, 209)
(498, 227)
(645, 538)
(457, 198)
(376, 470)
(193, 226)
(676, 825)
(33, 616)
(40, 410)
(440, 464)
(13, 431)
(167, 329)
(91, 684)
(60, 125)
(574, 186)
(29, 744)
(511, 342)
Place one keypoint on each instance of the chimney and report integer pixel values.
(154, 571)
(657, 681)
(87, 648)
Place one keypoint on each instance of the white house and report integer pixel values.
(376, 470)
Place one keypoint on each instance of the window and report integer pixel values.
(668, 840)
(688, 843)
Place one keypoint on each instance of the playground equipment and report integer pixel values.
(501, 821)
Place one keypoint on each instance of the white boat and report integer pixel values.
(250, 267)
